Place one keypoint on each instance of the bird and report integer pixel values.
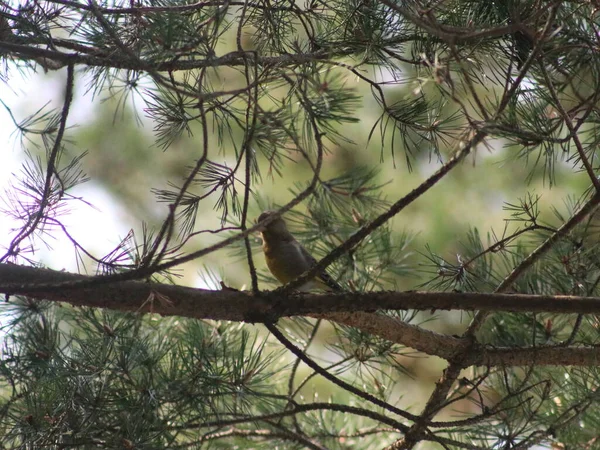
(287, 259)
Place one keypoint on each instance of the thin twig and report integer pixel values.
(335, 380)
(572, 130)
(35, 220)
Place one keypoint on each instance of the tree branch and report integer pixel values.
(348, 308)
(234, 305)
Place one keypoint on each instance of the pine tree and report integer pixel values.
(245, 95)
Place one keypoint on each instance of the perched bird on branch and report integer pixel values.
(287, 259)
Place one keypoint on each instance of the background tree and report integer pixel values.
(447, 114)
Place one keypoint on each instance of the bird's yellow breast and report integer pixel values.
(282, 264)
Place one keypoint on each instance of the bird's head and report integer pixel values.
(276, 227)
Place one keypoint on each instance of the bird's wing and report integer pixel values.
(323, 276)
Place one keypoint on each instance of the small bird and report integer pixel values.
(287, 259)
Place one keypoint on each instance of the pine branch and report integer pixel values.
(170, 300)
(51, 172)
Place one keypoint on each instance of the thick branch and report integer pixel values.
(345, 308)
(237, 305)
(104, 58)
(546, 355)
(395, 330)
